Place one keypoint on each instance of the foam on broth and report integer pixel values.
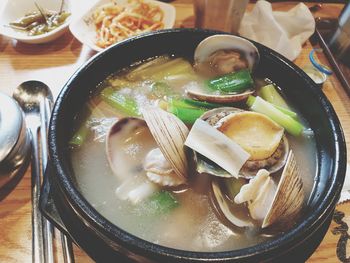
(193, 225)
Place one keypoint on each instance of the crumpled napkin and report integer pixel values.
(345, 193)
(284, 32)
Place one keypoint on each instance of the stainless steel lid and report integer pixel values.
(11, 121)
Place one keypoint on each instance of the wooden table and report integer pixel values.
(55, 62)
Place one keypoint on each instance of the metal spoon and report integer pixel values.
(35, 98)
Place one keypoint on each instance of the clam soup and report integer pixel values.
(191, 157)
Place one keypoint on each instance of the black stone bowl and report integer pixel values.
(105, 242)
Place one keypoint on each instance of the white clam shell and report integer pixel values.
(223, 42)
(224, 206)
(199, 94)
(272, 204)
(115, 141)
(119, 136)
(289, 197)
(219, 42)
(170, 134)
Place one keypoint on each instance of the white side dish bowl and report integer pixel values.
(12, 10)
(84, 29)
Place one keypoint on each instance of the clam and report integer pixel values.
(196, 91)
(262, 138)
(271, 204)
(127, 143)
(156, 144)
(227, 207)
(224, 54)
(218, 55)
(170, 134)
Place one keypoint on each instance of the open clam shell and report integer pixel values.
(225, 206)
(273, 204)
(227, 42)
(218, 55)
(289, 197)
(170, 134)
(130, 140)
(115, 142)
(200, 94)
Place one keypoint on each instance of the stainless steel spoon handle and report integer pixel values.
(37, 226)
(48, 228)
(68, 256)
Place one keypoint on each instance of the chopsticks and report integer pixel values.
(48, 230)
(333, 63)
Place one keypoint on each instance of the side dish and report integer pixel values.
(40, 22)
(115, 22)
(200, 154)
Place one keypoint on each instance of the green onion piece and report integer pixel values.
(82, 132)
(181, 103)
(287, 111)
(251, 100)
(270, 94)
(233, 82)
(291, 125)
(189, 110)
(160, 203)
(168, 69)
(186, 114)
(161, 70)
(161, 89)
(79, 136)
(120, 101)
(202, 104)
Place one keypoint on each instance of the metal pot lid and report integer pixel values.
(11, 118)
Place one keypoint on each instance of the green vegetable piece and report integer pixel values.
(202, 104)
(79, 137)
(161, 89)
(28, 19)
(291, 125)
(233, 82)
(251, 100)
(233, 186)
(287, 111)
(62, 17)
(82, 132)
(186, 114)
(161, 203)
(160, 71)
(120, 101)
(270, 94)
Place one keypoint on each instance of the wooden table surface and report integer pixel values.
(55, 62)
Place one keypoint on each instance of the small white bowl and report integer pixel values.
(13, 10)
(84, 29)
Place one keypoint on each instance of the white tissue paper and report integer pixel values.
(284, 32)
(345, 193)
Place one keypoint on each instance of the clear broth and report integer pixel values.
(194, 225)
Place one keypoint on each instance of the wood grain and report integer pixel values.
(54, 63)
